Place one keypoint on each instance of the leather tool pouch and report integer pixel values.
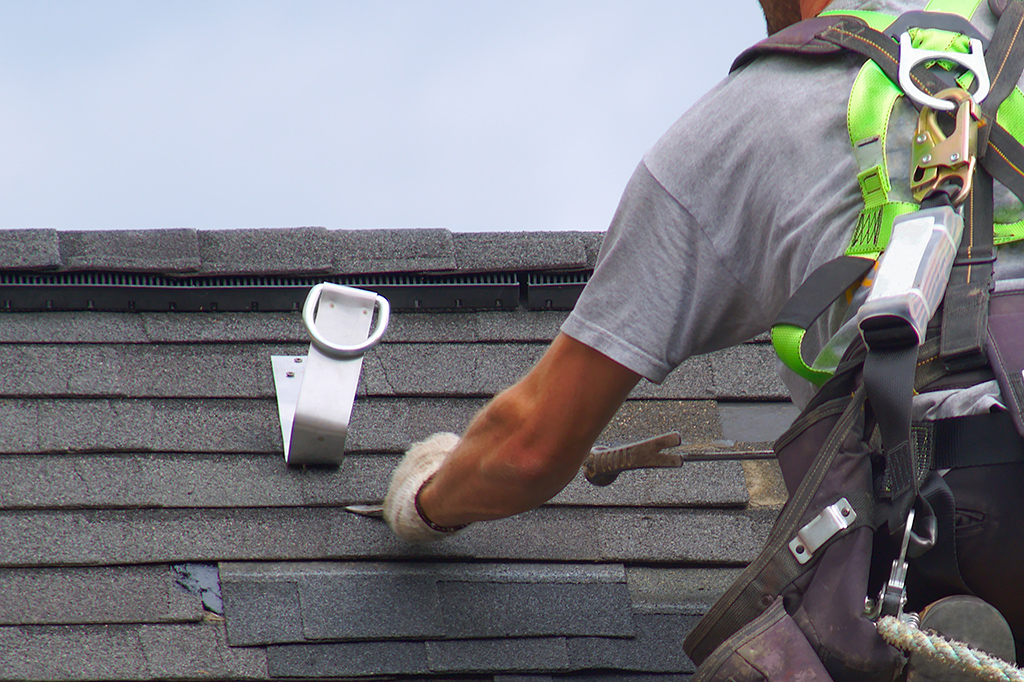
(1006, 347)
(783, 617)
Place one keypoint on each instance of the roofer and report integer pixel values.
(769, 176)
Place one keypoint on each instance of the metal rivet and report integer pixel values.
(954, 157)
(290, 374)
(926, 158)
(921, 139)
(298, 359)
(800, 549)
(846, 511)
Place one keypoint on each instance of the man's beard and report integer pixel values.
(779, 14)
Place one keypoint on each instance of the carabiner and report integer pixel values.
(936, 159)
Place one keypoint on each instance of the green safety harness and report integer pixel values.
(874, 96)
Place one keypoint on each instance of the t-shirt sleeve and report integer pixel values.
(660, 292)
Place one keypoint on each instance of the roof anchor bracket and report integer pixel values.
(315, 393)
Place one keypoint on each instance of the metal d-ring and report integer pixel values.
(333, 350)
(910, 57)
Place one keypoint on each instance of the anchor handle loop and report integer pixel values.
(325, 345)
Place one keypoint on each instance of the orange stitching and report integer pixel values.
(1000, 153)
(920, 83)
(970, 236)
(1008, 49)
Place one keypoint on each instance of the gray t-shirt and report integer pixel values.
(748, 193)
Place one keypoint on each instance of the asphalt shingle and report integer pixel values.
(747, 371)
(385, 602)
(192, 426)
(592, 245)
(30, 249)
(19, 428)
(125, 653)
(108, 594)
(756, 422)
(697, 484)
(386, 251)
(292, 251)
(72, 327)
(481, 609)
(689, 591)
(261, 612)
(347, 659)
(656, 648)
(453, 327)
(498, 655)
(174, 251)
(139, 370)
(496, 251)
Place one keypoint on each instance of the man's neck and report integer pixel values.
(812, 8)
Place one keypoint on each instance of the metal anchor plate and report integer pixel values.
(315, 394)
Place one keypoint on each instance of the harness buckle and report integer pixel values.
(939, 160)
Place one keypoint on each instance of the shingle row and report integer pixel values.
(380, 425)
(298, 251)
(223, 370)
(537, 326)
(125, 653)
(296, 603)
(100, 481)
(103, 594)
(43, 538)
(655, 648)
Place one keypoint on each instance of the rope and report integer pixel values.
(958, 655)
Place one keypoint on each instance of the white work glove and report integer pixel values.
(401, 508)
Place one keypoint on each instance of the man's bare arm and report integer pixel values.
(529, 441)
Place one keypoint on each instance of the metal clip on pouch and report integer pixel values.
(315, 393)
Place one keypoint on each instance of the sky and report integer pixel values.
(471, 115)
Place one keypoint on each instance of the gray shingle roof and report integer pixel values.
(140, 451)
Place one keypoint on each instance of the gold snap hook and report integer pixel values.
(938, 159)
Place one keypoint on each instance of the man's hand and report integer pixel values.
(401, 506)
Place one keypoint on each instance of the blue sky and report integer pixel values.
(470, 115)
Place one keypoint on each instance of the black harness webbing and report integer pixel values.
(965, 304)
(965, 321)
(821, 289)
(977, 440)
